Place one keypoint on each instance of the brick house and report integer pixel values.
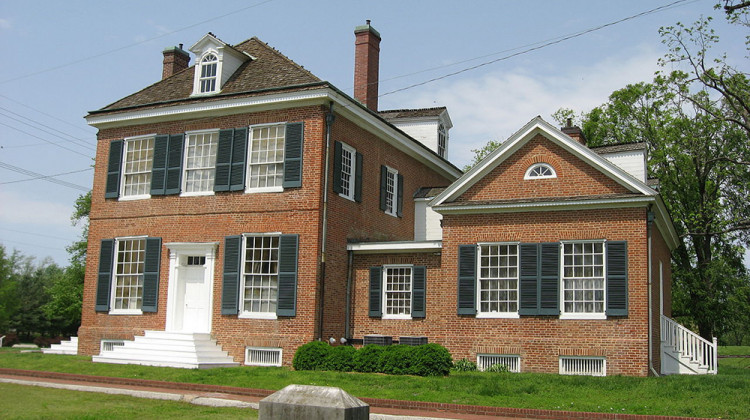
(242, 207)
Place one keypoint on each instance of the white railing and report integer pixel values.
(689, 344)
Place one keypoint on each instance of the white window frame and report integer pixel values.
(531, 174)
(386, 268)
(113, 287)
(276, 351)
(348, 178)
(583, 315)
(249, 164)
(442, 144)
(392, 178)
(512, 361)
(127, 142)
(215, 78)
(510, 314)
(185, 168)
(253, 314)
(583, 359)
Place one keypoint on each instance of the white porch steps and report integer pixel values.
(65, 347)
(169, 349)
(685, 352)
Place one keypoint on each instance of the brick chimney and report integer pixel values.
(366, 65)
(574, 132)
(175, 60)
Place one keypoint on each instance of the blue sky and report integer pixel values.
(64, 59)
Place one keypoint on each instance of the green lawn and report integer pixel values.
(30, 402)
(726, 395)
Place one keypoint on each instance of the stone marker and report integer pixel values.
(312, 403)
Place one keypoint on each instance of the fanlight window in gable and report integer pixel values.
(209, 65)
(539, 171)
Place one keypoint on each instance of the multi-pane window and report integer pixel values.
(348, 156)
(208, 73)
(260, 274)
(128, 282)
(540, 170)
(498, 278)
(397, 291)
(266, 162)
(391, 191)
(137, 163)
(583, 277)
(200, 162)
(442, 140)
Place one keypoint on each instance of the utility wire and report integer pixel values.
(46, 114)
(34, 245)
(47, 141)
(73, 140)
(43, 177)
(36, 234)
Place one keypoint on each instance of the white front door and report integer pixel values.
(191, 267)
(195, 309)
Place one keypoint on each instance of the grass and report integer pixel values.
(726, 395)
(734, 350)
(30, 402)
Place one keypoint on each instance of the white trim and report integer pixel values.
(275, 189)
(243, 314)
(176, 250)
(395, 247)
(561, 285)
(125, 311)
(527, 175)
(478, 268)
(248, 160)
(352, 169)
(276, 354)
(483, 365)
(113, 276)
(257, 315)
(184, 168)
(638, 201)
(383, 304)
(391, 173)
(590, 359)
(125, 141)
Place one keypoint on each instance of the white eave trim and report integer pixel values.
(545, 205)
(395, 247)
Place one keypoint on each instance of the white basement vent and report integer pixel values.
(589, 366)
(109, 345)
(263, 356)
(511, 361)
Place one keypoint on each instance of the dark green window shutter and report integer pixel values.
(617, 278)
(549, 279)
(104, 278)
(383, 187)
(376, 290)
(151, 266)
(174, 164)
(239, 159)
(230, 290)
(528, 279)
(287, 287)
(418, 291)
(337, 172)
(223, 160)
(467, 279)
(112, 190)
(358, 178)
(293, 155)
(400, 195)
(159, 165)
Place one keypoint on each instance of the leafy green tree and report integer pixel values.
(32, 284)
(482, 153)
(8, 299)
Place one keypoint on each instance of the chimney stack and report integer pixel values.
(574, 132)
(175, 60)
(366, 65)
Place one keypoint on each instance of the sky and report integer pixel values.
(68, 58)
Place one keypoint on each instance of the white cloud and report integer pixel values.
(17, 210)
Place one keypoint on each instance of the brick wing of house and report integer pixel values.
(243, 207)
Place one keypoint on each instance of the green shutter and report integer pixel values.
(151, 267)
(337, 171)
(400, 195)
(223, 160)
(104, 277)
(617, 278)
(159, 165)
(467, 279)
(376, 290)
(287, 286)
(230, 291)
(383, 187)
(239, 159)
(418, 291)
(174, 164)
(549, 279)
(358, 178)
(112, 190)
(293, 155)
(528, 303)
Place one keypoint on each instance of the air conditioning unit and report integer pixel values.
(412, 341)
(382, 340)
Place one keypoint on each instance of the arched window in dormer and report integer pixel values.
(209, 63)
(540, 171)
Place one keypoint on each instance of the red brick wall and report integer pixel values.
(659, 254)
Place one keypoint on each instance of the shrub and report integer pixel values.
(340, 358)
(464, 365)
(311, 356)
(431, 360)
(497, 368)
(397, 360)
(367, 359)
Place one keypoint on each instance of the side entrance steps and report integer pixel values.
(65, 347)
(685, 352)
(169, 349)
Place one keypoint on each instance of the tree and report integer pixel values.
(8, 300)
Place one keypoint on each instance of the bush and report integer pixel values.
(397, 360)
(431, 360)
(311, 356)
(464, 365)
(340, 358)
(497, 368)
(367, 359)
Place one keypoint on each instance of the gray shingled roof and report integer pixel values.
(412, 113)
(621, 147)
(429, 192)
(270, 70)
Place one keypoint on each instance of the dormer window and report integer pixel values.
(540, 171)
(442, 140)
(209, 63)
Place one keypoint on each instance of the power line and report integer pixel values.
(43, 177)
(34, 245)
(46, 114)
(74, 141)
(46, 141)
(36, 234)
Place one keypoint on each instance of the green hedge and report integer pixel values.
(425, 360)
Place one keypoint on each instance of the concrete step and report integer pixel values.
(69, 347)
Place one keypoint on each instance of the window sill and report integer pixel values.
(346, 197)
(126, 312)
(257, 315)
(506, 315)
(583, 316)
(264, 190)
(134, 197)
(396, 317)
(197, 194)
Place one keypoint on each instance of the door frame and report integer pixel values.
(180, 249)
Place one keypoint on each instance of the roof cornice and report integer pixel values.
(552, 205)
(395, 247)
